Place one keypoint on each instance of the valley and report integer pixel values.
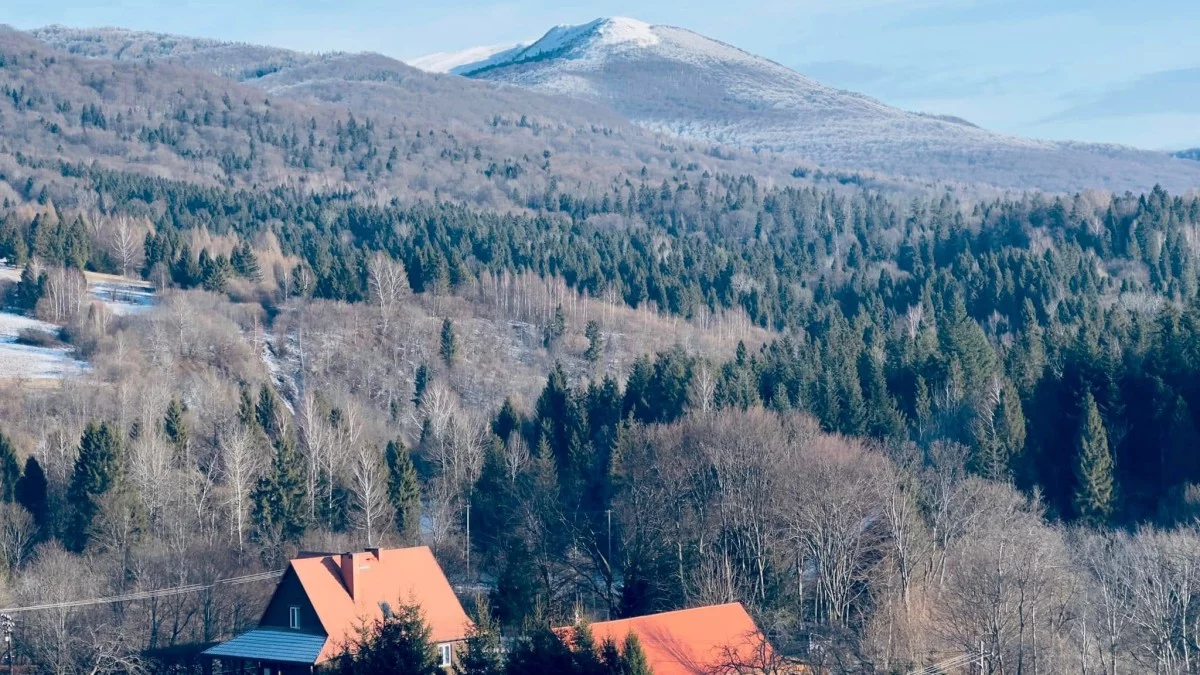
(623, 330)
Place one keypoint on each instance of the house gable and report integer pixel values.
(290, 593)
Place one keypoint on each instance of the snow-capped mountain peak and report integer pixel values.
(678, 82)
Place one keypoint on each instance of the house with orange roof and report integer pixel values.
(712, 640)
(323, 601)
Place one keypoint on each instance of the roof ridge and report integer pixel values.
(670, 611)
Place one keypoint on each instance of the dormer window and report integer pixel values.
(294, 617)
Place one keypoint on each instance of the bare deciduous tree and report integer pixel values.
(368, 486)
(125, 241)
(64, 296)
(241, 464)
(388, 284)
(18, 532)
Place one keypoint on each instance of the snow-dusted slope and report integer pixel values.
(450, 62)
(676, 81)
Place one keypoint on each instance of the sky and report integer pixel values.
(1113, 71)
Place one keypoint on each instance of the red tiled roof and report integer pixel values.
(395, 576)
(704, 640)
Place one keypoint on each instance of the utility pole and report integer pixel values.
(6, 621)
(608, 561)
(468, 541)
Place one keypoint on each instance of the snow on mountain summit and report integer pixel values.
(679, 82)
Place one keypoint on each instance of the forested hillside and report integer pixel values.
(896, 424)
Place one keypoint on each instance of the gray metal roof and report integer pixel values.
(265, 644)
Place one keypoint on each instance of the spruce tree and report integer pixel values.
(279, 511)
(400, 642)
(633, 658)
(245, 262)
(449, 343)
(175, 427)
(610, 657)
(636, 401)
(998, 432)
(97, 469)
(30, 287)
(1027, 360)
(267, 412)
(595, 340)
(33, 492)
(583, 647)
(540, 652)
(247, 414)
(482, 655)
(507, 421)
(556, 328)
(10, 470)
(516, 595)
(1095, 493)
(421, 381)
(404, 492)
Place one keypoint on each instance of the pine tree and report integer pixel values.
(10, 470)
(33, 492)
(1095, 494)
(97, 469)
(449, 344)
(595, 340)
(404, 492)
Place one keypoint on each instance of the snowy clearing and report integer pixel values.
(37, 363)
(121, 296)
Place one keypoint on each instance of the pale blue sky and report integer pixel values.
(1096, 70)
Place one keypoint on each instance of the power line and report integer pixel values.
(943, 666)
(147, 595)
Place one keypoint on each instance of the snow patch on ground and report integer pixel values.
(28, 362)
(283, 371)
(122, 299)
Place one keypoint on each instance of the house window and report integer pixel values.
(294, 617)
(445, 653)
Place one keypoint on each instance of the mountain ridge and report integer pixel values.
(673, 80)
